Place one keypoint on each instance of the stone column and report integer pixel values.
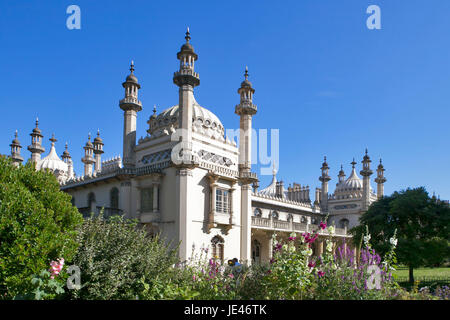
(270, 248)
(231, 204)
(155, 197)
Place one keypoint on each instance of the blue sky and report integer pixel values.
(329, 84)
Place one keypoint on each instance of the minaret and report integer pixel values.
(186, 79)
(98, 150)
(245, 110)
(15, 151)
(366, 173)
(341, 175)
(88, 158)
(130, 106)
(36, 147)
(68, 159)
(324, 178)
(380, 180)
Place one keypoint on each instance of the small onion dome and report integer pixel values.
(89, 143)
(341, 172)
(131, 77)
(187, 47)
(66, 153)
(153, 116)
(98, 139)
(246, 83)
(380, 166)
(16, 141)
(37, 130)
(366, 156)
(325, 164)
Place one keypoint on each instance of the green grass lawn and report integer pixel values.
(424, 272)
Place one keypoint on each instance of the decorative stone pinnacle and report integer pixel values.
(132, 66)
(246, 73)
(98, 132)
(188, 35)
(154, 109)
(52, 139)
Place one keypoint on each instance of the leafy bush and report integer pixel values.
(37, 224)
(118, 260)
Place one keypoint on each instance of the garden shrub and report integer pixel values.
(37, 224)
(119, 260)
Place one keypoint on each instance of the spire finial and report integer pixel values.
(37, 121)
(366, 151)
(15, 135)
(188, 35)
(98, 132)
(274, 171)
(246, 73)
(342, 167)
(132, 66)
(52, 139)
(89, 136)
(353, 163)
(67, 145)
(154, 109)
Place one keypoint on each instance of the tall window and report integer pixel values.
(91, 199)
(256, 251)
(217, 244)
(290, 217)
(275, 215)
(147, 199)
(222, 200)
(114, 198)
(343, 223)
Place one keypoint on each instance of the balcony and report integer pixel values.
(288, 226)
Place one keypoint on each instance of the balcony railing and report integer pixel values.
(289, 226)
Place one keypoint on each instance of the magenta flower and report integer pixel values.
(312, 264)
(320, 273)
(56, 267)
(322, 225)
(292, 238)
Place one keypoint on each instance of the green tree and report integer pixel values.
(422, 224)
(37, 224)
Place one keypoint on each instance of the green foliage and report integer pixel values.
(422, 223)
(45, 288)
(37, 224)
(118, 260)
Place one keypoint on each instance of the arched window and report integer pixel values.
(256, 251)
(217, 244)
(114, 198)
(274, 215)
(91, 199)
(257, 212)
(343, 223)
(290, 217)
